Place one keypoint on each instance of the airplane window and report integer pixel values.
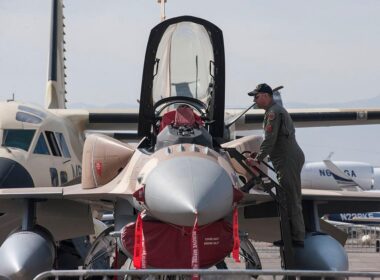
(183, 63)
(53, 144)
(25, 117)
(41, 146)
(63, 177)
(54, 177)
(18, 138)
(63, 145)
(32, 110)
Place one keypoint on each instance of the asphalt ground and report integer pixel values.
(361, 259)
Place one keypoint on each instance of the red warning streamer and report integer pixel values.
(236, 248)
(195, 249)
(138, 248)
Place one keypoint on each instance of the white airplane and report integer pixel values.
(182, 166)
(340, 175)
(42, 147)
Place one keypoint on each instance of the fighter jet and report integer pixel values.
(176, 197)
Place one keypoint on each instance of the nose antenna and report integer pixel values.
(12, 99)
(162, 12)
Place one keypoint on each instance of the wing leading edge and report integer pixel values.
(311, 117)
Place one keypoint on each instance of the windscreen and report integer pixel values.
(184, 63)
(18, 138)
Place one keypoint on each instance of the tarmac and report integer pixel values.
(361, 259)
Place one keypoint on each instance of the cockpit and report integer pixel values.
(181, 125)
(18, 138)
(182, 94)
(25, 131)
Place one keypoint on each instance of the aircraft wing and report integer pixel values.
(62, 217)
(327, 202)
(257, 208)
(343, 201)
(127, 119)
(101, 119)
(100, 198)
(253, 119)
(366, 220)
(41, 193)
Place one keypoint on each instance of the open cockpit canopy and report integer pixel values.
(184, 64)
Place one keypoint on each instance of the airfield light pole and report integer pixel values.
(162, 14)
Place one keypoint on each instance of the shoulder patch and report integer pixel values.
(269, 128)
(271, 116)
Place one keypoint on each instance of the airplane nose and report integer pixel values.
(14, 175)
(178, 188)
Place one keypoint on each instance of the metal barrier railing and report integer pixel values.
(177, 273)
(362, 238)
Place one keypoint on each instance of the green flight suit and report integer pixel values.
(287, 158)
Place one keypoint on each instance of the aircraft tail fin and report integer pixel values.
(340, 177)
(55, 90)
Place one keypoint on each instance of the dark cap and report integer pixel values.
(261, 88)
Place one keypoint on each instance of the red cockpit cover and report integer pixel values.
(169, 246)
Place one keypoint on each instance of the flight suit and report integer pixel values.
(287, 158)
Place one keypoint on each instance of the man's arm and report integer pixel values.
(271, 129)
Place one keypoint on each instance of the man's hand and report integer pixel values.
(254, 164)
(252, 161)
(254, 156)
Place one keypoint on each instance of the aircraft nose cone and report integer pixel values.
(180, 187)
(14, 175)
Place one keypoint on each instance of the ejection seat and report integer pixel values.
(183, 115)
(182, 125)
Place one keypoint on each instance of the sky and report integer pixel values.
(322, 52)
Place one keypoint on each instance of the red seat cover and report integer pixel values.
(184, 116)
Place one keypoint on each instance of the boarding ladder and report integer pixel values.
(279, 196)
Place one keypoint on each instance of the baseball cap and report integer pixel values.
(261, 88)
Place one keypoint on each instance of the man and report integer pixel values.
(287, 157)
